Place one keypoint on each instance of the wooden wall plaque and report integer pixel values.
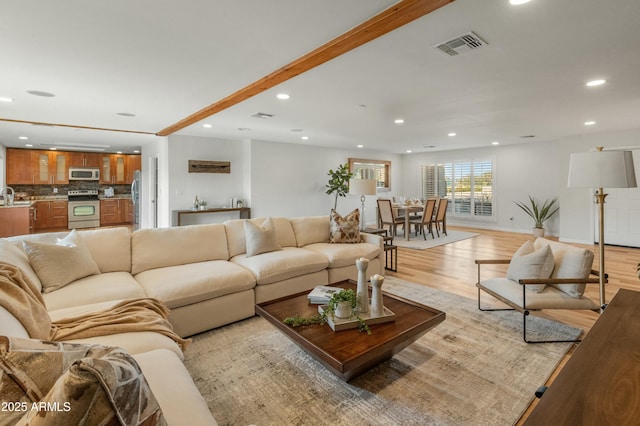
(202, 166)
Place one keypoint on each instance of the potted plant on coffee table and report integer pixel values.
(539, 213)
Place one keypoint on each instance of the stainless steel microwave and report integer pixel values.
(76, 173)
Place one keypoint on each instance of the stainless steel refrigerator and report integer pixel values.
(135, 198)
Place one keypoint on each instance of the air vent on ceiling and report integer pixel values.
(461, 44)
(262, 115)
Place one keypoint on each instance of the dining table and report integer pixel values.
(407, 209)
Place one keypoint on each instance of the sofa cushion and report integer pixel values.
(11, 253)
(340, 255)
(345, 230)
(571, 262)
(174, 389)
(186, 284)
(109, 247)
(180, 245)
(528, 262)
(93, 289)
(311, 229)
(236, 238)
(59, 264)
(280, 265)
(260, 239)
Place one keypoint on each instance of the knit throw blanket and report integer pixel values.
(21, 297)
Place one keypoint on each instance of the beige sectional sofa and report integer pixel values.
(203, 274)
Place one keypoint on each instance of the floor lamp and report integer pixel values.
(602, 169)
(362, 187)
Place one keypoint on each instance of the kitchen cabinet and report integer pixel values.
(50, 215)
(28, 167)
(115, 211)
(14, 221)
(134, 162)
(113, 169)
(84, 159)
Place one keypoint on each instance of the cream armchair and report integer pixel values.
(544, 274)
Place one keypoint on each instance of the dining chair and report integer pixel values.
(387, 216)
(424, 222)
(441, 216)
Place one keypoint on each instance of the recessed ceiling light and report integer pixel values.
(40, 93)
(282, 96)
(408, 151)
(398, 121)
(452, 134)
(2, 99)
(118, 152)
(360, 146)
(207, 126)
(53, 149)
(244, 129)
(495, 143)
(24, 138)
(296, 130)
(589, 123)
(28, 145)
(593, 83)
(305, 138)
(136, 151)
(125, 114)
(518, 2)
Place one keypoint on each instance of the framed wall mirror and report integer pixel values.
(380, 170)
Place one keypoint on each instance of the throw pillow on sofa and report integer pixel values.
(260, 239)
(344, 229)
(527, 262)
(59, 264)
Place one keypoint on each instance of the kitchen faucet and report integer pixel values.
(8, 198)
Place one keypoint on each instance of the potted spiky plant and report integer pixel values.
(539, 213)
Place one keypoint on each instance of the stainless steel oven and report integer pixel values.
(84, 208)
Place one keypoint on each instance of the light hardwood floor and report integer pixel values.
(451, 268)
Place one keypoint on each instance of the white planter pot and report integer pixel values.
(538, 232)
(343, 310)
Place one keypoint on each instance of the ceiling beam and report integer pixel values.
(74, 126)
(390, 19)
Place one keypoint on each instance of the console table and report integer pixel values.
(179, 215)
(600, 384)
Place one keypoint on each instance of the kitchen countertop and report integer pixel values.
(115, 197)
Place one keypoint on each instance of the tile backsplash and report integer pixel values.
(44, 190)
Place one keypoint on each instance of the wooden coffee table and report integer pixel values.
(349, 353)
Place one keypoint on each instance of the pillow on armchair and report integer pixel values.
(90, 383)
(527, 262)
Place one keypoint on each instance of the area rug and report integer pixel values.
(419, 243)
(472, 369)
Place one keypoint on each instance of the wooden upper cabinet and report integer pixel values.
(84, 159)
(113, 169)
(134, 162)
(19, 167)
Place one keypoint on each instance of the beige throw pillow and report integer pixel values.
(260, 239)
(345, 229)
(530, 263)
(60, 264)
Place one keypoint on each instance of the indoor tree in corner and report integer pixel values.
(339, 182)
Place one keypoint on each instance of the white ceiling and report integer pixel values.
(163, 60)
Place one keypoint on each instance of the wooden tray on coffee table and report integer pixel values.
(349, 353)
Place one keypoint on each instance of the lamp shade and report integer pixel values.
(602, 169)
(362, 186)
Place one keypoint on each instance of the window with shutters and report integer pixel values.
(467, 184)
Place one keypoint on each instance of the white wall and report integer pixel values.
(3, 165)
(157, 149)
(214, 188)
(289, 180)
(520, 170)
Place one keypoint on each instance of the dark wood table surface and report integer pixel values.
(349, 353)
(600, 384)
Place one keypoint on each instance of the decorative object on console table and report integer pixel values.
(201, 166)
(602, 169)
(362, 187)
